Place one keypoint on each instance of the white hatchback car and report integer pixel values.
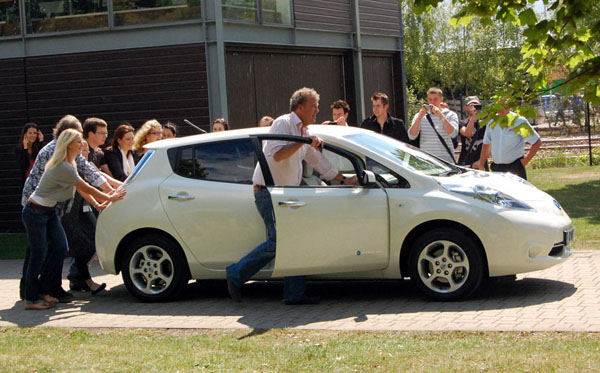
(189, 213)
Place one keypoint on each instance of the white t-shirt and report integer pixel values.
(508, 146)
(288, 172)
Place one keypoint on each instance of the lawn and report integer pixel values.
(69, 350)
(577, 189)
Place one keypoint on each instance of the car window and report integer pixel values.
(311, 177)
(228, 161)
(387, 177)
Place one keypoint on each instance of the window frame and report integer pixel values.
(260, 18)
(110, 25)
(174, 155)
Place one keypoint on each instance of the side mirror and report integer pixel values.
(367, 178)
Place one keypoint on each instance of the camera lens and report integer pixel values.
(477, 106)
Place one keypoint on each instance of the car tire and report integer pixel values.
(154, 269)
(446, 265)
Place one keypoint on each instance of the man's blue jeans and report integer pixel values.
(47, 249)
(240, 272)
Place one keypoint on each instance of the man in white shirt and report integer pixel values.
(285, 163)
(507, 145)
(445, 122)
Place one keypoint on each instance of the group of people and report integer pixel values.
(432, 129)
(437, 130)
(59, 221)
(54, 174)
(505, 144)
(56, 219)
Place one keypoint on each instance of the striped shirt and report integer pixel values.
(429, 141)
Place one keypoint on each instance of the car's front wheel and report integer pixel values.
(446, 265)
(154, 269)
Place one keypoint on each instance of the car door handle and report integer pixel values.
(181, 197)
(292, 203)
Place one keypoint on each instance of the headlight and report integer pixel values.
(489, 195)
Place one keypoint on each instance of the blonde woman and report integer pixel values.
(58, 184)
(149, 132)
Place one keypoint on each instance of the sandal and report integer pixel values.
(49, 298)
(38, 305)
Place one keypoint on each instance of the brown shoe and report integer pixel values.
(38, 305)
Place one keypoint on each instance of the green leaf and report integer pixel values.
(574, 60)
(583, 35)
(523, 129)
(534, 69)
(527, 17)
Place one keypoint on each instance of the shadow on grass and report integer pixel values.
(580, 200)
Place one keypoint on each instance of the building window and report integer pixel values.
(239, 9)
(277, 11)
(136, 12)
(67, 15)
(262, 11)
(10, 24)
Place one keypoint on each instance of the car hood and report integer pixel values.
(509, 184)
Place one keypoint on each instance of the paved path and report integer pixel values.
(563, 298)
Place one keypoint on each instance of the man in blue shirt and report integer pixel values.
(507, 145)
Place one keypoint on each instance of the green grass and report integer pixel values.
(577, 189)
(13, 245)
(69, 350)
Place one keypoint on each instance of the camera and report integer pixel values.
(478, 106)
(428, 107)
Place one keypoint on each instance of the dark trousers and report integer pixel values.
(515, 167)
(87, 225)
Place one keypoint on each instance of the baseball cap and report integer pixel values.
(472, 100)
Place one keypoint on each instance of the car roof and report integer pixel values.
(315, 129)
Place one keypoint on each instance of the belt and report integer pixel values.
(30, 203)
(257, 187)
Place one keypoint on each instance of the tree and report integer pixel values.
(467, 60)
(566, 39)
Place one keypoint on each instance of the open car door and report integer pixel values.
(324, 228)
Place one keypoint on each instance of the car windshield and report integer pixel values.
(404, 155)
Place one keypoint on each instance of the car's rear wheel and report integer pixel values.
(154, 269)
(446, 265)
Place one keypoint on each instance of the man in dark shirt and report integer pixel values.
(471, 135)
(95, 132)
(382, 122)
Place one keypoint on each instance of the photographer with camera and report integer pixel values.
(471, 135)
(436, 132)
